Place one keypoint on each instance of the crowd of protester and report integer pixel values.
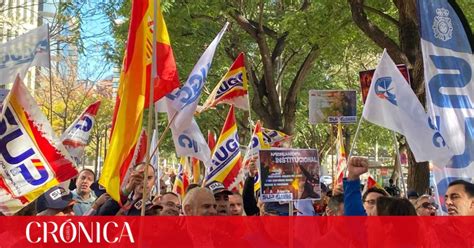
(86, 198)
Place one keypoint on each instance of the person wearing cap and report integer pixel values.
(83, 194)
(221, 195)
(425, 206)
(55, 202)
(199, 202)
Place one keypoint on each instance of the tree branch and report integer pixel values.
(383, 15)
(290, 101)
(374, 32)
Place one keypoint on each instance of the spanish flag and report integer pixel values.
(132, 93)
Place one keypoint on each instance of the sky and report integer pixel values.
(95, 31)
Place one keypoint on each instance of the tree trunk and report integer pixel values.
(418, 175)
(408, 52)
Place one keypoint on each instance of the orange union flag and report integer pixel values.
(232, 89)
(132, 93)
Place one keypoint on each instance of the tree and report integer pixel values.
(395, 27)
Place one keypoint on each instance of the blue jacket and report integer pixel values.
(353, 198)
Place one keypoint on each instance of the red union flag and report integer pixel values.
(76, 137)
(33, 158)
(232, 89)
(226, 158)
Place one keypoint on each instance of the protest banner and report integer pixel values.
(365, 78)
(332, 106)
(289, 174)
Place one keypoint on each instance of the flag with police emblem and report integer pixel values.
(33, 159)
(226, 159)
(448, 60)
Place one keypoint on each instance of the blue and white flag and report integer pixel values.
(449, 65)
(189, 142)
(186, 99)
(19, 54)
(392, 104)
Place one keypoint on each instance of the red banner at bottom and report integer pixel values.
(237, 232)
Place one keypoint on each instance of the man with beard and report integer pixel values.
(170, 203)
(221, 194)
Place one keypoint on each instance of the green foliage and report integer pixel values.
(344, 51)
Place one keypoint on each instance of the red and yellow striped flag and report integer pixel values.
(132, 93)
(341, 155)
(182, 180)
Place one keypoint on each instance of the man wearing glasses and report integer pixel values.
(425, 206)
(370, 200)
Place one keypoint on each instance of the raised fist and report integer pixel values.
(356, 167)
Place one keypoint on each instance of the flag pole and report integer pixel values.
(353, 144)
(332, 154)
(399, 163)
(50, 80)
(158, 174)
(150, 106)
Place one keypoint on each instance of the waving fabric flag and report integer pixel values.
(211, 140)
(275, 138)
(226, 160)
(341, 155)
(76, 136)
(232, 89)
(251, 155)
(182, 181)
(137, 158)
(392, 104)
(447, 43)
(131, 97)
(196, 169)
(33, 159)
(19, 54)
(189, 142)
(371, 183)
(185, 100)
